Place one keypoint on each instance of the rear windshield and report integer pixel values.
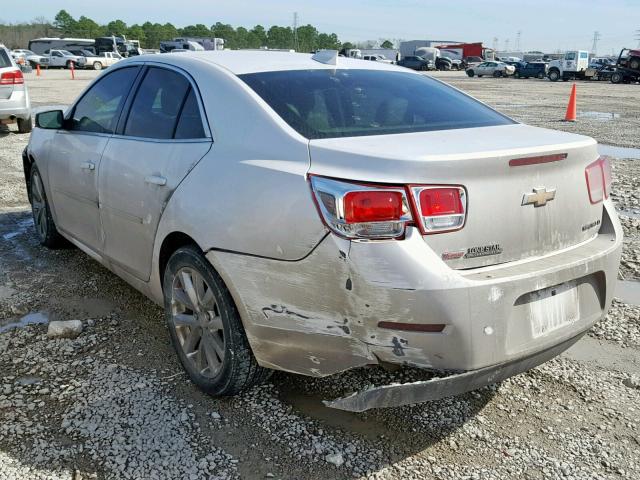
(5, 61)
(350, 103)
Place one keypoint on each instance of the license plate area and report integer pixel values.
(553, 308)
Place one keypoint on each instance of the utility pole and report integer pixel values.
(596, 37)
(518, 35)
(638, 37)
(495, 44)
(506, 45)
(295, 31)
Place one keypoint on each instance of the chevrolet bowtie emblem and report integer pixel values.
(539, 197)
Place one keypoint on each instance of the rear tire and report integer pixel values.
(497, 74)
(25, 125)
(616, 77)
(42, 220)
(97, 66)
(471, 73)
(205, 327)
(69, 64)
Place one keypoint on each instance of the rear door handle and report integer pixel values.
(156, 180)
(88, 166)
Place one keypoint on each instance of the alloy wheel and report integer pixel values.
(195, 316)
(38, 206)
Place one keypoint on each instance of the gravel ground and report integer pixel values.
(114, 403)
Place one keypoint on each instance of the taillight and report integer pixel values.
(14, 77)
(439, 208)
(598, 176)
(357, 210)
(354, 210)
(373, 206)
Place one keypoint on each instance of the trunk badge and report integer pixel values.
(539, 197)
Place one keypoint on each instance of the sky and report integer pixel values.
(546, 25)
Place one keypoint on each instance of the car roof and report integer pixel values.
(242, 62)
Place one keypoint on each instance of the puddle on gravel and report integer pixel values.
(629, 213)
(619, 152)
(33, 318)
(628, 291)
(599, 116)
(28, 380)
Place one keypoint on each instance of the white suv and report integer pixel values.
(15, 105)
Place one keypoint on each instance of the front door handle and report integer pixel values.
(88, 166)
(156, 180)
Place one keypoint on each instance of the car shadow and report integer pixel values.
(407, 430)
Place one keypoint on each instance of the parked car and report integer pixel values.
(58, 59)
(598, 63)
(530, 69)
(376, 58)
(469, 62)
(494, 69)
(22, 53)
(456, 64)
(104, 60)
(415, 62)
(316, 214)
(15, 106)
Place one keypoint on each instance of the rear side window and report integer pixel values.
(346, 103)
(157, 105)
(98, 110)
(5, 61)
(190, 123)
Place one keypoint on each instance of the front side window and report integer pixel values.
(570, 56)
(100, 107)
(157, 105)
(346, 103)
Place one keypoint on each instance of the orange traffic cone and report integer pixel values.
(571, 108)
(37, 70)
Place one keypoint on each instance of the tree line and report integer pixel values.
(305, 38)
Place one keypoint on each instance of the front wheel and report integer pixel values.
(554, 75)
(205, 327)
(69, 65)
(634, 63)
(497, 74)
(97, 66)
(470, 73)
(43, 221)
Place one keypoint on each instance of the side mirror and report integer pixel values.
(51, 120)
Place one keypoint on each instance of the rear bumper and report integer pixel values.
(320, 315)
(18, 104)
(409, 393)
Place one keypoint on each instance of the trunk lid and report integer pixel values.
(498, 228)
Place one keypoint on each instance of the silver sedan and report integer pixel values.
(493, 69)
(316, 214)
